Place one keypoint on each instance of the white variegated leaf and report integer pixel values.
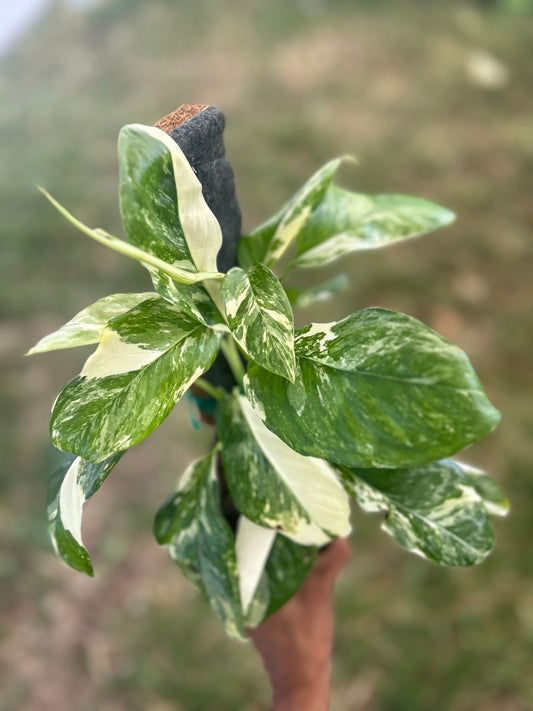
(146, 360)
(347, 222)
(276, 487)
(302, 298)
(73, 482)
(88, 326)
(269, 242)
(191, 525)
(433, 510)
(260, 318)
(377, 389)
(252, 548)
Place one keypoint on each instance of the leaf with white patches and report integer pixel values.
(377, 389)
(274, 486)
(199, 539)
(260, 318)
(493, 497)
(287, 566)
(252, 548)
(433, 510)
(69, 487)
(270, 241)
(347, 222)
(164, 211)
(145, 362)
(88, 326)
(302, 298)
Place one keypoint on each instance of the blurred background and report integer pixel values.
(435, 100)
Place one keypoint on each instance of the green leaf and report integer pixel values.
(88, 325)
(270, 241)
(377, 389)
(301, 298)
(70, 485)
(346, 222)
(433, 510)
(145, 362)
(274, 486)
(200, 541)
(260, 318)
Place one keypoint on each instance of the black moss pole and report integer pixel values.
(198, 131)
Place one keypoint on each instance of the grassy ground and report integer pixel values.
(399, 85)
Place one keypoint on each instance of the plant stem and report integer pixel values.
(216, 393)
(233, 357)
(118, 245)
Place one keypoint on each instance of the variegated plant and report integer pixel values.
(371, 407)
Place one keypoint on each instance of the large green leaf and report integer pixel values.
(269, 242)
(433, 510)
(163, 209)
(146, 360)
(301, 298)
(200, 541)
(260, 318)
(346, 222)
(377, 389)
(273, 485)
(88, 325)
(70, 485)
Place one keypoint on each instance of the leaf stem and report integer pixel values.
(216, 393)
(118, 245)
(233, 357)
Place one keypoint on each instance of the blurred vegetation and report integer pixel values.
(434, 99)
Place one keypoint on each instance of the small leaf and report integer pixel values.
(270, 241)
(301, 298)
(70, 485)
(273, 485)
(88, 325)
(145, 362)
(377, 389)
(346, 222)
(260, 318)
(252, 548)
(286, 568)
(432, 510)
(200, 541)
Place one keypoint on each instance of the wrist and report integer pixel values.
(311, 692)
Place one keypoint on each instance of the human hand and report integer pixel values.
(296, 642)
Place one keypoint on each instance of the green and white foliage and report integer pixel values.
(371, 406)
(191, 525)
(286, 568)
(347, 222)
(377, 389)
(132, 381)
(270, 241)
(436, 510)
(260, 318)
(88, 326)
(70, 485)
(270, 482)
